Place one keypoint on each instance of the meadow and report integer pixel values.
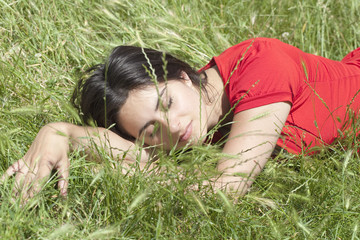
(47, 45)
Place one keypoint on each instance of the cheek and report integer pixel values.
(190, 101)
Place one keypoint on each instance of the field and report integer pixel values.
(46, 46)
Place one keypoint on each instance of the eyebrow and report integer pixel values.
(156, 108)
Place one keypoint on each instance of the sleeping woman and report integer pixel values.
(259, 95)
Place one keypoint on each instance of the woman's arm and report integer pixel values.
(49, 152)
(252, 139)
(91, 138)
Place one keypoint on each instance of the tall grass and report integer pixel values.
(46, 45)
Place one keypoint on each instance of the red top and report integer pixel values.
(261, 71)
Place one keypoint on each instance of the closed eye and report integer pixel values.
(170, 103)
(165, 107)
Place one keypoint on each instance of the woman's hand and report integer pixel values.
(48, 152)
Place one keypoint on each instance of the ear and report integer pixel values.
(186, 78)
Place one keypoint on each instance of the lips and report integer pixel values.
(187, 134)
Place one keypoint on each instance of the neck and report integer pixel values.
(219, 104)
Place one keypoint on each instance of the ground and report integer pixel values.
(47, 45)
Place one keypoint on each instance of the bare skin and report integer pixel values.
(252, 139)
(49, 152)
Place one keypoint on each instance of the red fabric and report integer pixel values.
(261, 71)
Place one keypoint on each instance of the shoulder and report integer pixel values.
(254, 47)
(265, 54)
(260, 71)
(259, 59)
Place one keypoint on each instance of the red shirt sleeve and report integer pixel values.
(256, 73)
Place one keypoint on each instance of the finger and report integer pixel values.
(41, 175)
(25, 176)
(29, 178)
(15, 167)
(63, 172)
(28, 183)
(19, 179)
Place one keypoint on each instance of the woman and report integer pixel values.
(257, 95)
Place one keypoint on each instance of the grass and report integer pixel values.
(45, 46)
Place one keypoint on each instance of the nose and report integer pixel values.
(174, 127)
(170, 123)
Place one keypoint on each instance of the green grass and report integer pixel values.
(45, 46)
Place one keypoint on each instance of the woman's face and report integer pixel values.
(171, 114)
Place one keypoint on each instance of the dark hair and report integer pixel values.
(99, 97)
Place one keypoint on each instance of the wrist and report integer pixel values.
(62, 128)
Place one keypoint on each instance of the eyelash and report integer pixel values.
(170, 102)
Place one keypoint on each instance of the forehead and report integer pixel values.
(143, 94)
(149, 94)
(138, 99)
(139, 108)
